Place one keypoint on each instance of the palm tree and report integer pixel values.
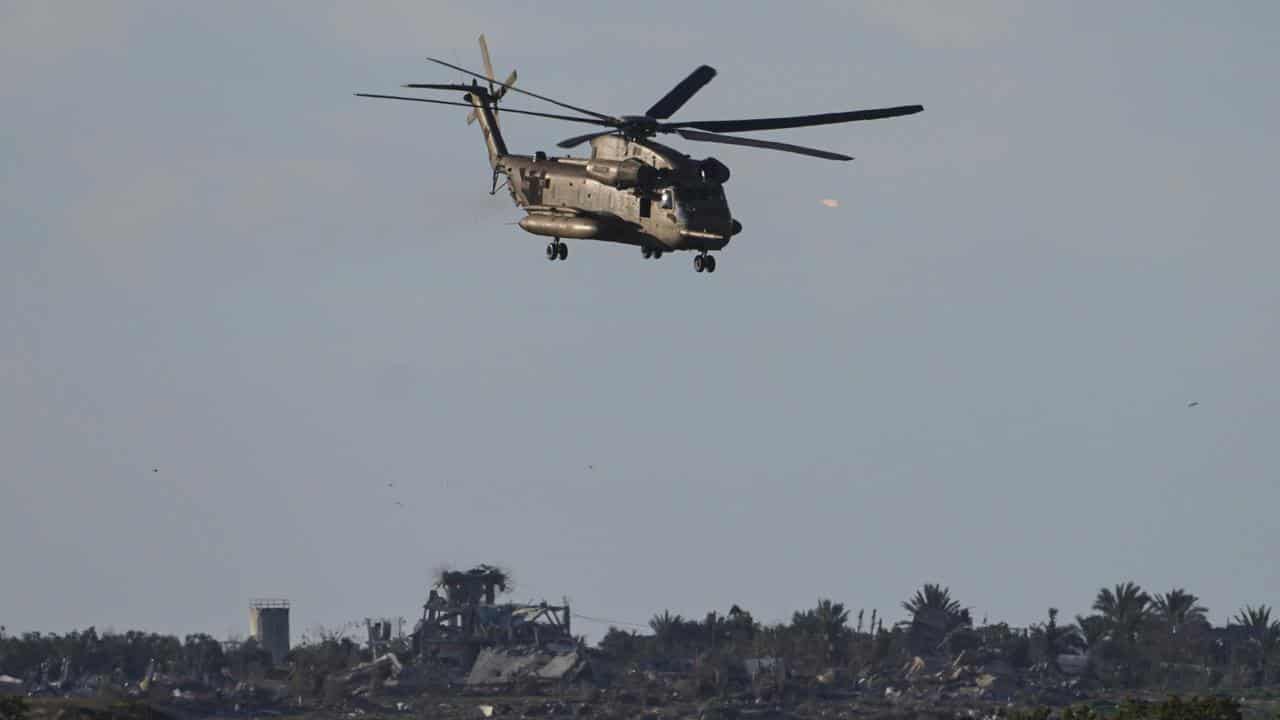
(1262, 630)
(1257, 620)
(1178, 609)
(665, 627)
(832, 618)
(828, 621)
(937, 598)
(1126, 609)
(1092, 628)
(933, 597)
(1058, 638)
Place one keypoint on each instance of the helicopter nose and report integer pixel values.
(737, 228)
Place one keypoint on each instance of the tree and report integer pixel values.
(828, 621)
(1058, 639)
(935, 599)
(1182, 622)
(1256, 620)
(1178, 609)
(1126, 610)
(250, 658)
(202, 655)
(13, 708)
(666, 627)
(1264, 633)
(739, 625)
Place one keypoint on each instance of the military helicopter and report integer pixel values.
(631, 190)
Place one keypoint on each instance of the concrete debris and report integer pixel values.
(503, 666)
(1073, 664)
(363, 671)
(10, 685)
(914, 668)
(754, 667)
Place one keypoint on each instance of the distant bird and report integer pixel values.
(1193, 403)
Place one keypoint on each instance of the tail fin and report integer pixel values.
(483, 110)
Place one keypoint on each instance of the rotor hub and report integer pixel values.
(638, 126)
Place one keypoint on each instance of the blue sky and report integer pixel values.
(302, 308)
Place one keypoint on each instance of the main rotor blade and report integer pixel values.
(767, 144)
(681, 93)
(570, 118)
(442, 86)
(579, 139)
(797, 121)
(609, 118)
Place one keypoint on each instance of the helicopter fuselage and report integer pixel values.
(630, 191)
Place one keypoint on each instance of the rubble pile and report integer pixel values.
(471, 657)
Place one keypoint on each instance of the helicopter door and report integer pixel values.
(646, 206)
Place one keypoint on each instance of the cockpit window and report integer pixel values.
(701, 193)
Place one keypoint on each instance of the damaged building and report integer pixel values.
(466, 635)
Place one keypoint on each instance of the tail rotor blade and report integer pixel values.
(488, 64)
(511, 80)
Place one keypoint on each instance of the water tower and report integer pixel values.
(269, 625)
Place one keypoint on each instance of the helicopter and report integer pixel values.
(631, 190)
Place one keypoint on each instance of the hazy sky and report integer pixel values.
(301, 307)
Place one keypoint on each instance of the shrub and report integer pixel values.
(1174, 708)
(13, 708)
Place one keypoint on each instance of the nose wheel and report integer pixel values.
(704, 262)
(649, 253)
(557, 250)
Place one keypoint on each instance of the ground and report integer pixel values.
(1257, 703)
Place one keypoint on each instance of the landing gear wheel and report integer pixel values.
(657, 254)
(698, 263)
(710, 263)
(551, 251)
(563, 251)
(648, 253)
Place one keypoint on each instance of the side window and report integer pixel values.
(666, 199)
